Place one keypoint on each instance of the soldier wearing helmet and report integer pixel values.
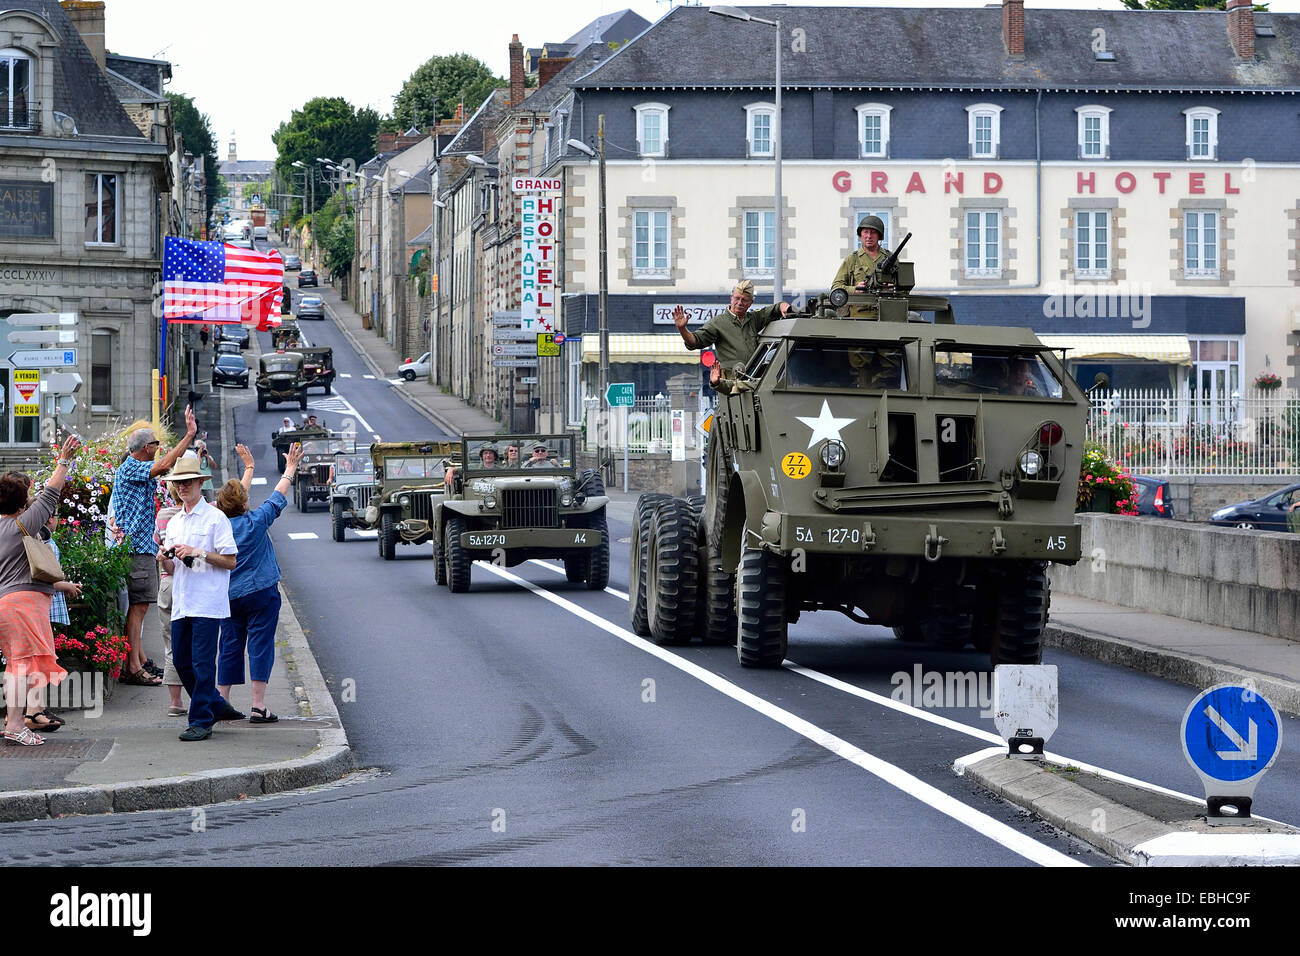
(734, 333)
(858, 267)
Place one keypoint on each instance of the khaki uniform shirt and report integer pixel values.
(735, 339)
(858, 266)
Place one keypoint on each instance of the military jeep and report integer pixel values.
(350, 492)
(312, 480)
(509, 509)
(318, 367)
(280, 379)
(286, 335)
(913, 474)
(409, 478)
(282, 439)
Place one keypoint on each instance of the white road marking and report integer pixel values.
(395, 381)
(982, 823)
(371, 377)
(558, 569)
(367, 533)
(345, 374)
(303, 535)
(259, 481)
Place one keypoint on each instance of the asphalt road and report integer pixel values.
(522, 723)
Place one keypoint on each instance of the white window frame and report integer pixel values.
(994, 114)
(652, 109)
(7, 119)
(752, 112)
(1093, 270)
(886, 216)
(1198, 269)
(1211, 116)
(99, 210)
(982, 271)
(111, 336)
(879, 110)
(651, 270)
(758, 270)
(1101, 113)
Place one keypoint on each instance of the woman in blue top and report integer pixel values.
(254, 584)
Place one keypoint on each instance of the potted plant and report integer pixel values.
(1104, 486)
(98, 649)
(1267, 382)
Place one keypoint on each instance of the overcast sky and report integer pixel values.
(249, 63)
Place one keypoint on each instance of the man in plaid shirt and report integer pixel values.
(133, 512)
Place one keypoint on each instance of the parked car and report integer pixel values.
(1154, 497)
(291, 261)
(233, 333)
(1264, 514)
(418, 369)
(308, 277)
(224, 348)
(230, 369)
(311, 307)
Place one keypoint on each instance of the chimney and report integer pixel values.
(386, 142)
(516, 71)
(88, 17)
(548, 66)
(489, 139)
(1013, 27)
(1241, 28)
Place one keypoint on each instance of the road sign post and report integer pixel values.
(1231, 736)
(622, 395)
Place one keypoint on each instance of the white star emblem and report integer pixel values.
(825, 425)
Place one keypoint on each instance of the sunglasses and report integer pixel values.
(152, 443)
(185, 481)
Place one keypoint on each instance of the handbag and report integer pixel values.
(45, 566)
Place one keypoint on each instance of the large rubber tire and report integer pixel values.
(297, 496)
(575, 568)
(458, 560)
(950, 630)
(910, 633)
(719, 475)
(672, 573)
(594, 485)
(329, 388)
(641, 517)
(439, 563)
(261, 402)
(1023, 604)
(338, 523)
(761, 627)
(302, 400)
(717, 599)
(597, 559)
(387, 537)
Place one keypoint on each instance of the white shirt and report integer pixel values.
(200, 591)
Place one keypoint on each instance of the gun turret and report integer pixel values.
(886, 272)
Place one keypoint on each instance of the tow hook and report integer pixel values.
(934, 544)
(999, 542)
(868, 536)
(1006, 505)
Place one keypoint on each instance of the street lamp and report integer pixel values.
(778, 283)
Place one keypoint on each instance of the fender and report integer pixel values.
(743, 526)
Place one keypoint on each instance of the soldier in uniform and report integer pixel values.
(734, 333)
(858, 267)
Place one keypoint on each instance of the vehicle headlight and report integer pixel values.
(566, 500)
(404, 500)
(832, 454)
(1030, 463)
(1220, 514)
(354, 496)
(490, 502)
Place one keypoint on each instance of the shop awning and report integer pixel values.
(624, 347)
(1166, 349)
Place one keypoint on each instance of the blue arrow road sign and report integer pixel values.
(1231, 733)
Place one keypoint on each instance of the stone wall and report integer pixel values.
(1249, 580)
(646, 472)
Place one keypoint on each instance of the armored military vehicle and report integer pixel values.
(520, 497)
(409, 478)
(312, 480)
(908, 473)
(318, 367)
(353, 486)
(280, 379)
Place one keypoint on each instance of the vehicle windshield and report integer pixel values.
(846, 365)
(351, 469)
(281, 363)
(515, 453)
(327, 446)
(413, 467)
(229, 360)
(977, 371)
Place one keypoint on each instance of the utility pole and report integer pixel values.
(603, 444)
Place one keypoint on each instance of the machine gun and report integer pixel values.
(888, 293)
(886, 274)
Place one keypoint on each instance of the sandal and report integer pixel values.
(141, 678)
(24, 738)
(43, 721)
(262, 715)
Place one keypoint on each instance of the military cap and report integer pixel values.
(744, 287)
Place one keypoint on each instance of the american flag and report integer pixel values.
(221, 284)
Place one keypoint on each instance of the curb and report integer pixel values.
(1199, 672)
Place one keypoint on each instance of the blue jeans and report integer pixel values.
(194, 652)
(253, 619)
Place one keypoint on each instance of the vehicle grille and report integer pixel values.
(363, 494)
(530, 508)
(422, 506)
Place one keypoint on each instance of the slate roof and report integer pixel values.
(129, 91)
(151, 74)
(80, 88)
(470, 137)
(884, 48)
(616, 27)
(556, 88)
(418, 184)
(246, 167)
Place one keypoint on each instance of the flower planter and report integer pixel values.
(1102, 503)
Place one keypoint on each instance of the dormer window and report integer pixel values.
(1094, 132)
(760, 122)
(1202, 133)
(873, 130)
(16, 107)
(984, 130)
(652, 129)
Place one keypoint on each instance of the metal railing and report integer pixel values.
(1245, 432)
(647, 425)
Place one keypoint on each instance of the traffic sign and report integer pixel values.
(514, 348)
(621, 394)
(558, 338)
(45, 358)
(33, 331)
(507, 318)
(1231, 736)
(546, 344)
(515, 362)
(527, 380)
(503, 334)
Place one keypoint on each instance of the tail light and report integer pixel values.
(1050, 433)
(1160, 499)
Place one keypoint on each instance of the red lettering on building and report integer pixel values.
(914, 185)
(1126, 182)
(879, 182)
(1196, 183)
(545, 228)
(546, 205)
(1228, 188)
(546, 276)
(543, 301)
(842, 181)
(1084, 181)
(992, 183)
(1162, 178)
(953, 181)
(545, 250)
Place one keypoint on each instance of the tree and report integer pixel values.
(195, 130)
(438, 86)
(1182, 5)
(334, 234)
(328, 127)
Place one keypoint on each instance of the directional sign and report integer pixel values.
(515, 362)
(621, 394)
(546, 344)
(503, 334)
(1230, 735)
(45, 358)
(500, 348)
(527, 380)
(507, 318)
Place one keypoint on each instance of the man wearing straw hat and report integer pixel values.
(199, 552)
(734, 333)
